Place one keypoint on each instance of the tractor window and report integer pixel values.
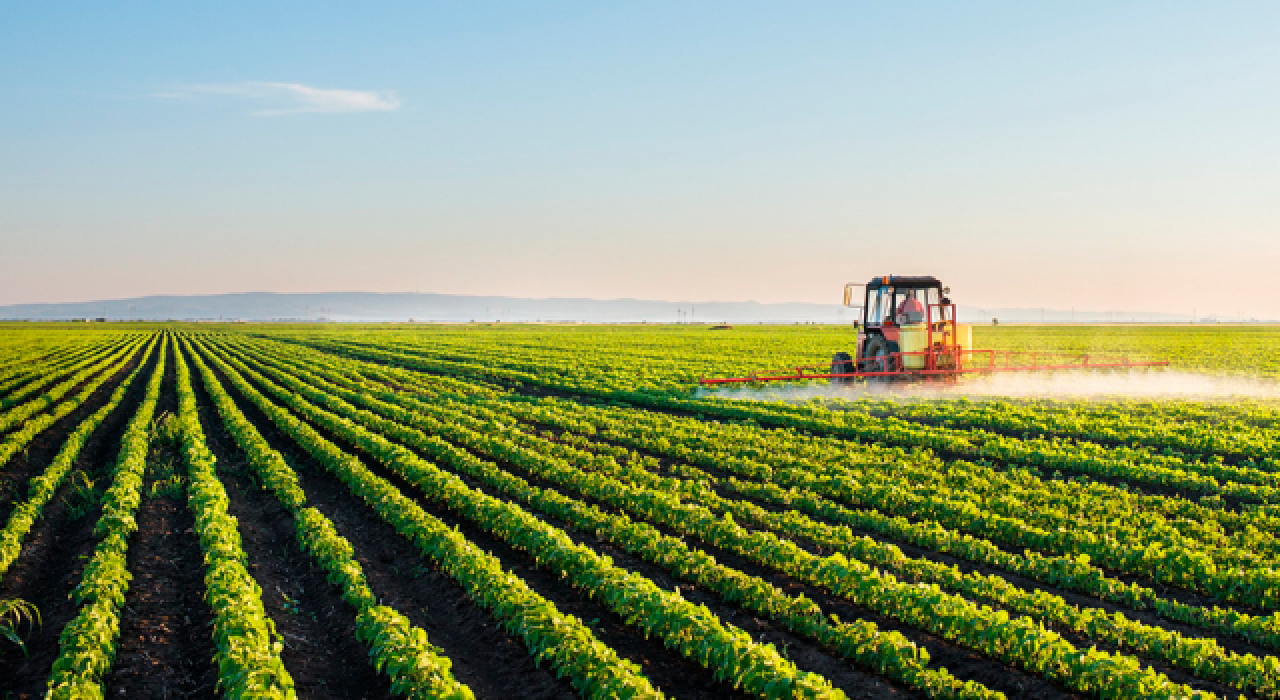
(879, 305)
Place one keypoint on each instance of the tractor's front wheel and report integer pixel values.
(879, 357)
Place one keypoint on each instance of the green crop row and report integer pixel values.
(36, 376)
(1177, 432)
(1064, 536)
(1073, 572)
(1203, 657)
(1055, 514)
(1136, 466)
(87, 644)
(1164, 556)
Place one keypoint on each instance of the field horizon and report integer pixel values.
(388, 306)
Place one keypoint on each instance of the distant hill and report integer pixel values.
(369, 306)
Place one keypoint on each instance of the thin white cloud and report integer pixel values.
(273, 99)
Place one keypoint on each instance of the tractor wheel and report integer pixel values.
(879, 358)
(842, 363)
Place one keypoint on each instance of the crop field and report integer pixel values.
(539, 511)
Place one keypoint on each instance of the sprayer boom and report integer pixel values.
(908, 331)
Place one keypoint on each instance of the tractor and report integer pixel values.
(908, 329)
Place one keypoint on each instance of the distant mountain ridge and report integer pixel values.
(375, 306)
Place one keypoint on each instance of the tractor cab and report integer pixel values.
(897, 301)
(907, 323)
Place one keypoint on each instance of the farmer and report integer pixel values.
(910, 310)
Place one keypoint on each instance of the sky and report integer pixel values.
(1101, 156)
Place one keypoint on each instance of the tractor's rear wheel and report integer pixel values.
(842, 363)
(879, 358)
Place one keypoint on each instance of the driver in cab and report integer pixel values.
(910, 310)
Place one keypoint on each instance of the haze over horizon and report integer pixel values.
(1097, 156)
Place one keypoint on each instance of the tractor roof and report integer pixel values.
(905, 282)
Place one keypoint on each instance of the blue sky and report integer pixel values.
(1096, 155)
